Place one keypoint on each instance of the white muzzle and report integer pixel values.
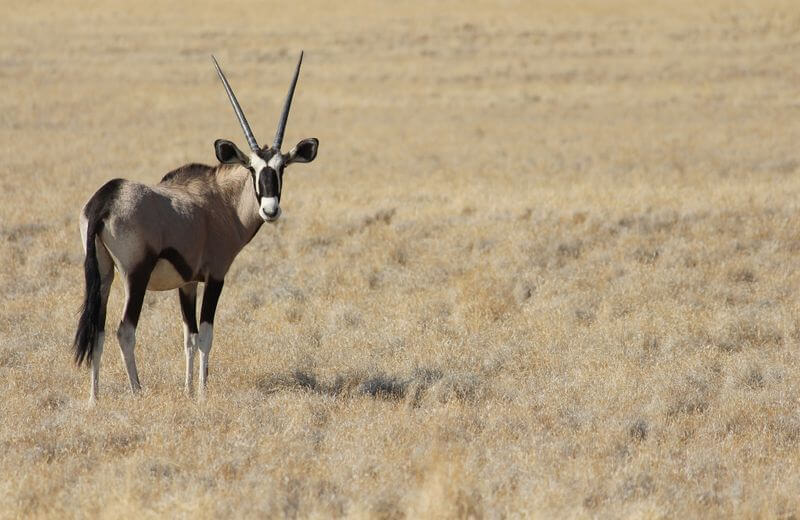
(269, 209)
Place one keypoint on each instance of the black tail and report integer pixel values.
(89, 322)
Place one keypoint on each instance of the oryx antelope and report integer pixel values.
(186, 229)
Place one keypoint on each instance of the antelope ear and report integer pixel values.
(229, 153)
(304, 152)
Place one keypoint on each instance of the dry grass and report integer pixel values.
(544, 264)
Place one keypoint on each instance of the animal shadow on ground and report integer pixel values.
(423, 386)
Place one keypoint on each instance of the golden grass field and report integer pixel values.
(543, 266)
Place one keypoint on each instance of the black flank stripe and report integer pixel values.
(178, 262)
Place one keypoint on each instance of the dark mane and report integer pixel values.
(186, 173)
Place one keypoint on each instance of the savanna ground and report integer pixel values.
(543, 266)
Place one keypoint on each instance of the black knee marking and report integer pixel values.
(210, 298)
(101, 321)
(188, 299)
(105, 289)
(137, 286)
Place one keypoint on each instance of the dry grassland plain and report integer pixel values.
(543, 266)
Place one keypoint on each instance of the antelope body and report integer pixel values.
(183, 231)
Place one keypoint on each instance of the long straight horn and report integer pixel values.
(251, 140)
(286, 105)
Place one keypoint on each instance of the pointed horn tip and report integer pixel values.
(237, 109)
(216, 64)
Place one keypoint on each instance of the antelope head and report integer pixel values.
(266, 164)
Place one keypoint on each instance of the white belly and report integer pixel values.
(164, 277)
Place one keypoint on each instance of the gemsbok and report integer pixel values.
(186, 229)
